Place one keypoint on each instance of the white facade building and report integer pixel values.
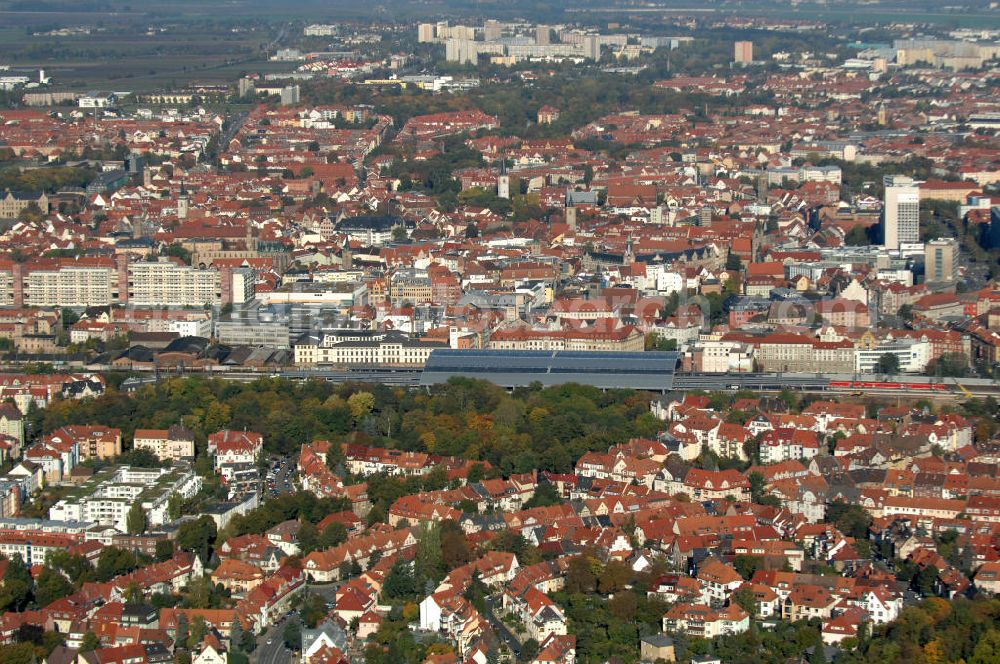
(107, 498)
(168, 283)
(912, 355)
(901, 214)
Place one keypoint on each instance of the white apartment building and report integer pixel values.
(191, 327)
(901, 214)
(168, 283)
(6, 287)
(911, 354)
(718, 356)
(70, 286)
(34, 549)
(173, 443)
(319, 30)
(108, 496)
(243, 284)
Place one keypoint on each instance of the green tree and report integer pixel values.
(850, 519)
(308, 537)
(888, 363)
(114, 561)
(477, 472)
(182, 632)
(50, 586)
(790, 399)
(135, 520)
(90, 642)
(744, 598)
(529, 649)
(361, 404)
(313, 609)
(332, 535)
(428, 563)
(400, 582)
(987, 651)
(657, 342)
(857, 236)
(436, 479)
(17, 584)
(926, 581)
(201, 593)
(73, 566)
(757, 484)
(18, 653)
(175, 505)
(615, 576)
(133, 593)
(197, 632)
(249, 642)
(178, 251)
(545, 496)
(580, 577)
(164, 550)
(293, 635)
(948, 364)
(197, 536)
(236, 636)
(746, 565)
(237, 657)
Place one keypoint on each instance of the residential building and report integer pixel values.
(794, 353)
(911, 356)
(12, 203)
(93, 442)
(169, 282)
(598, 337)
(79, 282)
(175, 443)
(941, 260)
(743, 52)
(900, 212)
(12, 423)
(107, 497)
(699, 620)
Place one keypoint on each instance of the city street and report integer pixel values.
(507, 636)
(274, 652)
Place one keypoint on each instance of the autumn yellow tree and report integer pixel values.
(361, 404)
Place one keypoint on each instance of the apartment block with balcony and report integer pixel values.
(166, 282)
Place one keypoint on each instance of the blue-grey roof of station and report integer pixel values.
(511, 368)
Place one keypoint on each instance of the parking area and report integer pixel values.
(280, 476)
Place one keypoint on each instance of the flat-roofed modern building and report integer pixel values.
(901, 215)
